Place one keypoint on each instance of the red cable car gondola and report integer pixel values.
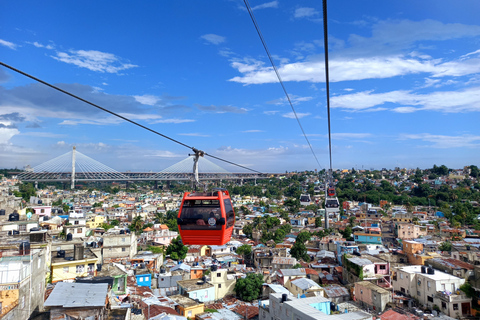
(206, 218)
(331, 192)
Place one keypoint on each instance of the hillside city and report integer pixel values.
(403, 244)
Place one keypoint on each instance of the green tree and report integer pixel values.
(249, 288)
(445, 246)
(299, 250)
(244, 250)
(155, 249)
(177, 250)
(136, 225)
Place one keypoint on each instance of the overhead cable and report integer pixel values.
(249, 9)
(119, 116)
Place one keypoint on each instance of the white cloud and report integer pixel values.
(213, 38)
(176, 121)
(94, 60)
(271, 4)
(293, 98)
(39, 45)
(148, 99)
(253, 131)
(441, 101)
(194, 134)
(8, 44)
(443, 141)
(305, 13)
(271, 112)
(291, 115)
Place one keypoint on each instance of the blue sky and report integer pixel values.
(405, 82)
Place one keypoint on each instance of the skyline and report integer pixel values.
(404, 83)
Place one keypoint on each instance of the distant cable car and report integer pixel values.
(206, 218)
(331, 191)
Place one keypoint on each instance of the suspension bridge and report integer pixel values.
(74, 166)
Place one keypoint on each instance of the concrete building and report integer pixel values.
(302, 286)
(284, 307)
(372, 296)
(432, 287)
(197, 290)
(187, 307)
(22, 281)
(116, 245)
(410, 231)
(368, 236)
(223, 281)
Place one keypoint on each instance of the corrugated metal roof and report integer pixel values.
(77, 295)
(336, 291)
(283, 260)
(305, 283)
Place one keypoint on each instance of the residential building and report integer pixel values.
(300, 287)
(345, 247)
(95, 221)
(75, 261)
(372, 296)
(187, 307)
(432, 287)
(78, 301)
(337, 293)
(369, 236)
(410, 231)
(22, 280)
(368, 268)
(223, 281)
(197, 290)
(283, 307)
(119, 245)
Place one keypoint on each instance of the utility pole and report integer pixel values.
(73, 168)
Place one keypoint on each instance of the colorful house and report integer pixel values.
(187, 307)
(197, 290)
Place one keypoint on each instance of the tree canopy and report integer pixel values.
(249, 288)
(177, 250)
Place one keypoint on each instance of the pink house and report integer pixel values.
(43, 211)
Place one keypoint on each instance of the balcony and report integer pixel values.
(450, 297)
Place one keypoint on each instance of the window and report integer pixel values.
(123, 239)
(77, 222)
(219, 274)
(219, 285)
(194, 271)
(444, 305)
(430, 299)
(428, 284)
(22, 228)
(80, 268)
(22, 302)
(140, 279)
(79, 230)
(123, 249)
(455, 306)
(401, 275)
(383, 267)
(42, 210)
(418, 293)
(65, 269)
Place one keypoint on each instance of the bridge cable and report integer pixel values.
(327, 83)
(247, 5)
(120, 116)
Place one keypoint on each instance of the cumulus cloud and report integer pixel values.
(8, 44)
(213, 38)
(293, 98)
(387, 53)
(94, 60)
(148, 99)
(39, 45)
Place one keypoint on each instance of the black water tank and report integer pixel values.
(69, 237)
(24, 248)
(78, 252)
(40, 202)
(14, 232)
(14, 216)
(213, 268)
(61, 254)
(284, 297)
(122, 231)
(162, 270)
(2, 212)
(333, 307)
(431, 270)
(423, 269)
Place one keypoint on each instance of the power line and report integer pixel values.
(327, 82)
(119, 116)
(278, 75)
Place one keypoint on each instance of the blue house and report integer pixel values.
(345, 247)
(144, 279)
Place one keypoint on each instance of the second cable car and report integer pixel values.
(206, 218)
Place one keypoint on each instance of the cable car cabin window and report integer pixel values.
(229, 212)
(201, 215)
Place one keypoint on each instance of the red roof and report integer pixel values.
(393, 315)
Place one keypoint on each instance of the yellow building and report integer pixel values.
(8, 301)
(70, 264)
(224, 282)
(187, 307)
(95, 222)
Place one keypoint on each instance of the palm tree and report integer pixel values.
(136, 225)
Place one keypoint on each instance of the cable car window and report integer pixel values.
(229, 213)
(201, 215)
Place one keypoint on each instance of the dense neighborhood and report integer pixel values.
(403, 244)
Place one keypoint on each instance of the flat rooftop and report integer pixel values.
(438, 275)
